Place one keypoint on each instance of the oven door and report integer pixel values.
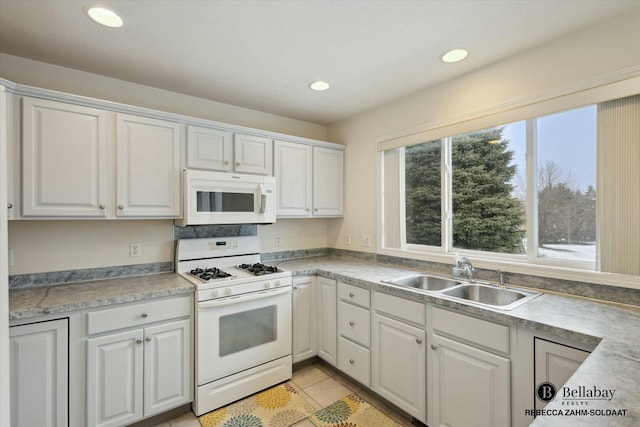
(238, 333)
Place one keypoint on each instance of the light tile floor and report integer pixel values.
(320, 385)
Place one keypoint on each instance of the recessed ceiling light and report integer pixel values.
(455, 55)
(319, 85)
(106, 17)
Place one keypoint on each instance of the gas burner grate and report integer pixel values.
(259, 269)
(209, 273)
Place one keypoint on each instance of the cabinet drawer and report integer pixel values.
(354, 294)
(354, 361)
(400, 308)
(119, 317)
(482, 332)
(354, 323)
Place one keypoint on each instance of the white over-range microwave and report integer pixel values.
(227, 198)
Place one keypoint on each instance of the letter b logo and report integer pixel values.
(546, 392)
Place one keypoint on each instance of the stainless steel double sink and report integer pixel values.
(485, 295)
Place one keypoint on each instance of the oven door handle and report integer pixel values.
(243, 298)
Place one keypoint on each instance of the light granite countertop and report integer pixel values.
(612, 328)
(37, 301)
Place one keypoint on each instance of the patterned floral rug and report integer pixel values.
(279, 406)
(351, 411)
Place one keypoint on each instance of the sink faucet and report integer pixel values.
(466, 265)
(501, 278)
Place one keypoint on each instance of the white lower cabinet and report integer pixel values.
(326, 316)
(304, 318)
(141, 371)
(398, 356)
(469, 386)
(554, 363)
(39, 374)
(354, 333)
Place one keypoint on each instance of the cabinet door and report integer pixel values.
(64, 162)
(167, 366)
(253, 154)
(327, 320)
(328, 182)
(114, 379)
(555, 363)
(293, 172)
(39, 374)
(209, 149)
(304, 318)
(469, 386)
(148, 167)
(399, 364)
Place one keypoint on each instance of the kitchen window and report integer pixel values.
(523, 192)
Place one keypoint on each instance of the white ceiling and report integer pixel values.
(263, 54)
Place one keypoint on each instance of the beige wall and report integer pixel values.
(585, 55)
(42, 246)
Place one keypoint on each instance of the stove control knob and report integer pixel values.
(277, 283)
(227, 291)
(267, 285)
(215, 294)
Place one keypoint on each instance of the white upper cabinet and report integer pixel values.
(64, 162)
(293, 170)
(220, 150)
(309, 180)
(253, 154)
(210, 149)
(148, 167)
(328, 182)
(67, 170)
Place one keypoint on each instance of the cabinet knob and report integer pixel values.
(316, 209)
(10, 206)
(351, 361)
(121, 207)
(352, 323)
(434, 347)
(307, 209)
(237, 163)
(138, 341)
(144, 315)
(148, 339)
(295, 288)
(351, 294)
(226, 162)
(419, 340)
(101, 206)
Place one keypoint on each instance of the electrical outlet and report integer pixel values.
(366, 240)
(347, 239)
(135, 250)
(278, 240)
(10, 257)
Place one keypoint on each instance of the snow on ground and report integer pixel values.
(568, 252)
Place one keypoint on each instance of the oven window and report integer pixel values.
(241, 331)
(217, 201)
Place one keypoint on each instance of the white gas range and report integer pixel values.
(243, 319)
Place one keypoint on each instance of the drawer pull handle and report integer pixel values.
(419, 340)
(148, 339)
(226, 162)
(351, 294)
(121, 207)
(352, 323)
(101, 206)
(434, 347)
(351, 361)
(138, 341)
(144, 315)
(9, 205)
